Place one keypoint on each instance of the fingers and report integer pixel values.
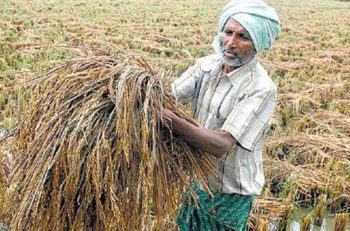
(166, 117)
(166, 113)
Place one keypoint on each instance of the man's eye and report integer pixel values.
(228, 32)
(243, 36)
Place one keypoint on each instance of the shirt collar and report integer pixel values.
(242, 71)
(215, 65)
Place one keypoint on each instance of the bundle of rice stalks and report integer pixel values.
(341, 106)
(258, 223)
(272, 207)
(341, 221)
(7, 160)
(327, 122)
(6, 163)
(93, 150)
(268, 211)
(304, 181)
(301, 148)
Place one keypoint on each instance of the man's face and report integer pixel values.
(238, 46)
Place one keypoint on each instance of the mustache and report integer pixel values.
(233, 52)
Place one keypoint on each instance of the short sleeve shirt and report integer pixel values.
(242, 103)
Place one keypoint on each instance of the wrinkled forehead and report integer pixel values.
(234, 25)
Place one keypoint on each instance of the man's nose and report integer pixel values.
(232, 42)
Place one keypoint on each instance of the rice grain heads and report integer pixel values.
(93, 152)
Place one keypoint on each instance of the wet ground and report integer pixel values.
(295, 224)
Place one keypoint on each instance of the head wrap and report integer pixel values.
(259, 19)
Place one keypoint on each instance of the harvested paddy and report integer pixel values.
(307, 152)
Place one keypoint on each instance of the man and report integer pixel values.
(233, 98)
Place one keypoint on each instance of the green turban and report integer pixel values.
(259, 19)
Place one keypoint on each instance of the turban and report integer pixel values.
(259, 19)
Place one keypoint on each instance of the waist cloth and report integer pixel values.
(221, 211)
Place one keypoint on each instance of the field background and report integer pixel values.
(307, 157)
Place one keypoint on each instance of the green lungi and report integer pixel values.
(222, 212)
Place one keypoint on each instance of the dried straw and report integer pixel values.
(301, 148)
(273, 207)
(306, 179)
(93, 150)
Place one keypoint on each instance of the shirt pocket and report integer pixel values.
(225, 108)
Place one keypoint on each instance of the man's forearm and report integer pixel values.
(213, 142)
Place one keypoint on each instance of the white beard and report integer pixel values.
(239, 59)
(236, 62)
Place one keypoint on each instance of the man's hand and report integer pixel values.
(167, 114)
(213, 142)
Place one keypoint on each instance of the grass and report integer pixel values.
(309, 62)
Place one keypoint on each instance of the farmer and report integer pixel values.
(234, 99)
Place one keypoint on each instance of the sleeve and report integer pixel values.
(183, 88)
(251, 117)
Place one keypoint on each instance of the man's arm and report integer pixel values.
(212, 142)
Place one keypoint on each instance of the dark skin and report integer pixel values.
(236, 39)
(215, 142)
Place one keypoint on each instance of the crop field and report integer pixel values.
(307, 153)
